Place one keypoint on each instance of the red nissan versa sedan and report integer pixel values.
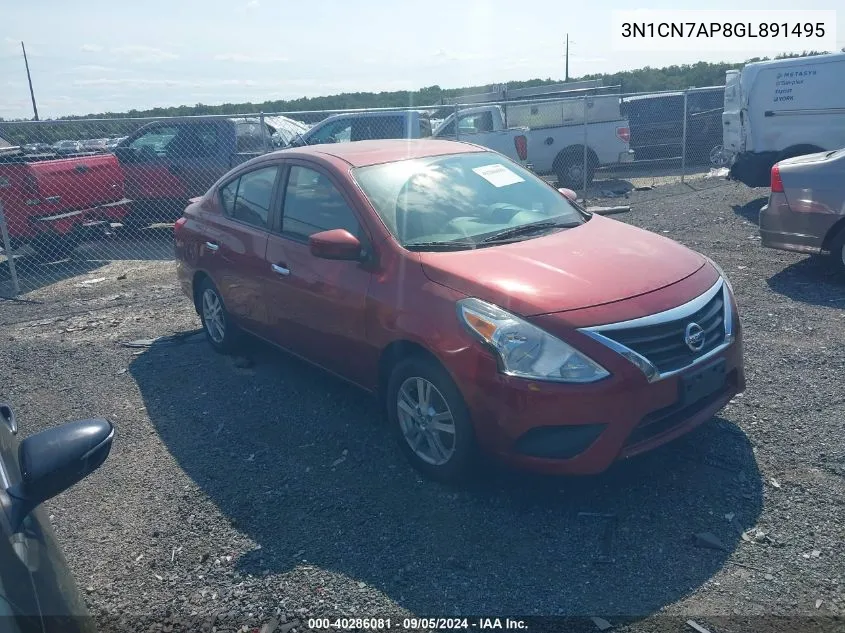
(486, 309)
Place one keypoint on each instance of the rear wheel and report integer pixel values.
(837, 253)
(220, 331)
(430, 420)
(570, 169)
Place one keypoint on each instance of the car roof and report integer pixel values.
(363, 153)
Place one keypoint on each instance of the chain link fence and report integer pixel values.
(78, 194)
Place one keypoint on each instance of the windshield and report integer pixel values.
(460, 197)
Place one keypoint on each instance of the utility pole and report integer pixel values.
(567, 58)
(29, 79)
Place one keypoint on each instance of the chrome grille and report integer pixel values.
(657, 343)
(664, 344)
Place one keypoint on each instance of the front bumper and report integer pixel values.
(583, 429)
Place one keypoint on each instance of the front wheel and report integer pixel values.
(430, 420)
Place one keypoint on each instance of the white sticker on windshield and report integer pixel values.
(498, 175)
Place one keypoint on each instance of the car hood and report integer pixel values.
(600, 262)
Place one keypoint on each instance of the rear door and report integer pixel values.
(732, 136)
(317, 306)
(236, 243)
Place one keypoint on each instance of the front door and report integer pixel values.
(318, 307)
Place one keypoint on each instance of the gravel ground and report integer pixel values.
(256, 491)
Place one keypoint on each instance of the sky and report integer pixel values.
(96, 56)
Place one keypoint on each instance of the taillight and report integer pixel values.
(179, 224)
(624, 134)
(777, 183)
(521, 145)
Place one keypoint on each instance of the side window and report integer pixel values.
(313, 204)
(335, 132)
(249, 197)
(475, 123)
(155, 140)
(377, 127)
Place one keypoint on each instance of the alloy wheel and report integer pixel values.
(212, 312)
(426, 421)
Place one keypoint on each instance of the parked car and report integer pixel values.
(657, 126)
(95, 145)
(486, 309)
(37, 148)
(37, 591)
(806, 208)
(782, 108)
(285, 130)
(67, 147)
(51, 203)
(360, 126)
(165, 163)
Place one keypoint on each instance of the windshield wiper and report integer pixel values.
(450, 245)
(526, 229)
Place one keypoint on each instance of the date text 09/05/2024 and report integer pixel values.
(414, 624)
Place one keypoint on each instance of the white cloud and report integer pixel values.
(253, 4)
(251, 59)
(148, 82)
(90, 48)
(145, 53)
(93, 68)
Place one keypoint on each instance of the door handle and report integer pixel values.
(212, 246)
(9, 417)
(281, 270)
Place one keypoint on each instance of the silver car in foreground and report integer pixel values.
(806, 209)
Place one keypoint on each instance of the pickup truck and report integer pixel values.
(485, 125)
(166, 163)
(557, 135)
(482, 125)
(49, 203)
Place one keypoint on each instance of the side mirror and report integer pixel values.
(335, 244)
(569, 194)
(54, 460)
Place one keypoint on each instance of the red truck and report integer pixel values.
(50, 203)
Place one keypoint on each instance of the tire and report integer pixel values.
(220, 331)
(455, 460)
(718, 157)
(570, 170)
(837, 253)
(52, 247)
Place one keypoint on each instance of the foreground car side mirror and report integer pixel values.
(335, 244)
(54, 460)
(569, 194)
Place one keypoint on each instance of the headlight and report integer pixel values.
(525, 350)
(729, 313)
(721, 274)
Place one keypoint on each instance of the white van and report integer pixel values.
(782, 108)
